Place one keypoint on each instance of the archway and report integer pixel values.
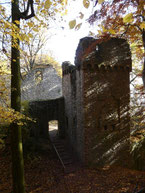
(53, 129)
(46, 111)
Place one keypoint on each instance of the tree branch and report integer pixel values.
(24, 15)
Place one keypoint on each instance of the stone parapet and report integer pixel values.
(67, 68)
(113, 52)
(93, 66)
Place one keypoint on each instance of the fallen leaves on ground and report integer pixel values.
(45, 175)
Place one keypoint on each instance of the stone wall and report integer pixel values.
(41, 83)
(106, 103)
(72, 92)
(96, 94)
(45, 111)
(106, 115)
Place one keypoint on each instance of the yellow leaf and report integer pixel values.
(86, 3)
(133, 45)
(47, 4)
(103, 28)
(35, 29)
(36, 18)
(30, 35)
(128, 18)
(78, 26)
(24, 37)
(91, 33)
(17, 22)
(30, 24)
(111, 31)
(65, 2)
(39, 7)
(37, 1)
(72, 24)
(142, 25)
(43, 11)
(100, 32)
(100, 1)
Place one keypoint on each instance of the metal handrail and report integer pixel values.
(59, 156)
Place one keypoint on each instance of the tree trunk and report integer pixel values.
(143, 72)
(143, 37)
(16, 138)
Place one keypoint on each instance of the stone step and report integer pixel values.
(65, 157)
(69, 162)
(60, 147)
(58, 142)
(61, 151)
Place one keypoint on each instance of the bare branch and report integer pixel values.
(24, 15)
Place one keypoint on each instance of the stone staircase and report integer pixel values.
(65, 156)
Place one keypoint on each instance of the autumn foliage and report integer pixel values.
(124, 19)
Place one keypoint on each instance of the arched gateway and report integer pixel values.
(45, 111)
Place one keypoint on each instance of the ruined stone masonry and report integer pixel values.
(93, 112)
(45, 111)
(42, 83)
(96, 94)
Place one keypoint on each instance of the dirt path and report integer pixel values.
(44, 174)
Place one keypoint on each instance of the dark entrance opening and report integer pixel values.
(49, 112)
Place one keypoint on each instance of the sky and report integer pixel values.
(64, 44)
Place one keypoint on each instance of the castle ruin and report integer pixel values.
(95, 103)
(97, 94)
